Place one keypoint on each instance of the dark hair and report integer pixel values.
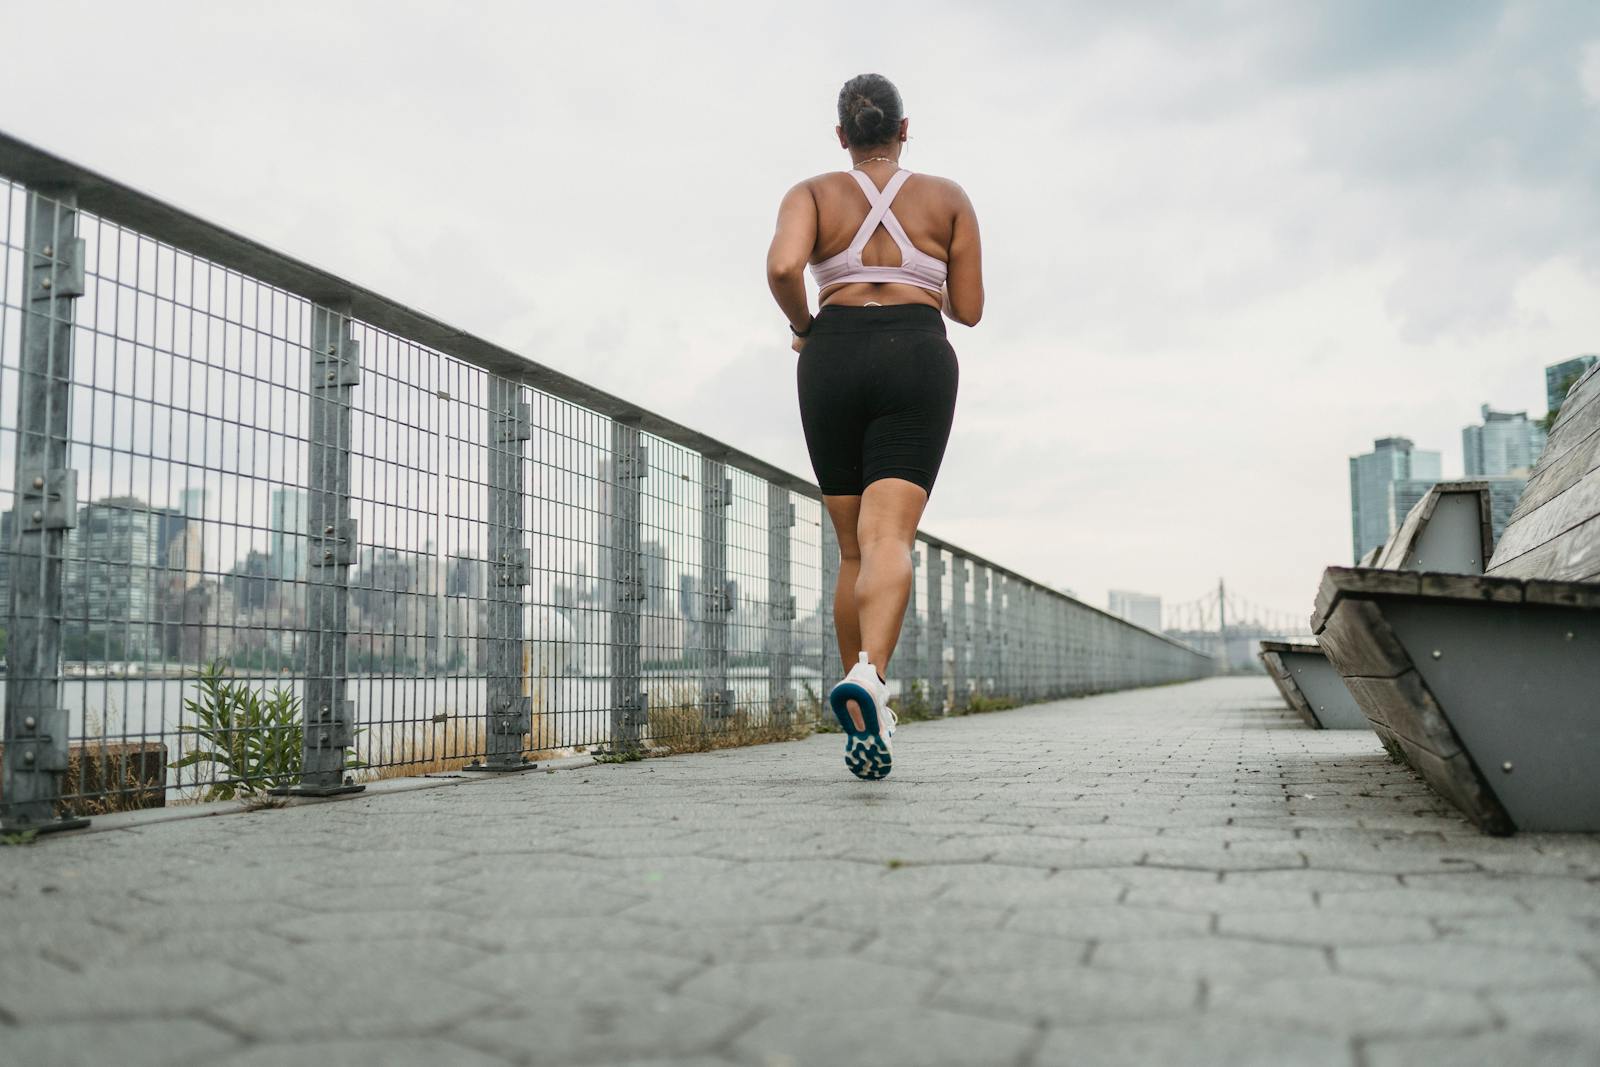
(869, 110)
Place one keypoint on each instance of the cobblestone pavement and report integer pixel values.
(1175, 875)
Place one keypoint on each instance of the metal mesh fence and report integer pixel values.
(253, 540)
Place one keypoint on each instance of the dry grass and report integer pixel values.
(683, 727)
(447, 746)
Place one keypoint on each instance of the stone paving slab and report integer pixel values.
(1175, 875)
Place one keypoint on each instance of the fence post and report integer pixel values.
(36, 725)
(828, 669)
(510, 708)
(630, 705)
(935, 644)
(959, 628)
(780, 605)
(983, 655)
(717, 598)
(331, 540)
(910, 646)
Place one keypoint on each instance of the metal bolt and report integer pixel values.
(328, 530)
(44, 283)
(328, 554)
(49, 250)
(1569, 635)
(37, 517)
(331, 376)
(38, 483)
(325, 710)
(30, 723)
(332, 348)
(1437, 654)
(27, 757)
(1506, 766)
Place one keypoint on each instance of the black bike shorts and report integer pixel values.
(877, 395)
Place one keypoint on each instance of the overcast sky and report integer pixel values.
(1227, 244)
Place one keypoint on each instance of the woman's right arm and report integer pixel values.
(963, 299)
(786, 258)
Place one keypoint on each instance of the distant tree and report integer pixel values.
(1568, 380)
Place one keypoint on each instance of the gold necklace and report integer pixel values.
(877, 159)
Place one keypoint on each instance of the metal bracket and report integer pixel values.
(335, 545)
(515, 719)
(719, 496)
(50, 500)
(515, 425)
(636, 709)
(634, 467)
(783, 611)
(58, 270)
(718, 703)
(328, 727)
(338, 366)
(721, 601)
(514, 567)
(632, 587)
(36, 751)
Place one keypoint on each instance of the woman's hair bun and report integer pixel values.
(869, 110)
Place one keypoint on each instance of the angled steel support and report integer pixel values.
(36, 718)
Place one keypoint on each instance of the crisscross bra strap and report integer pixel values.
(880, 213)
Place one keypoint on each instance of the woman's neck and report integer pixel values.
(889, 151)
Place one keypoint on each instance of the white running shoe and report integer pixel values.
(867, 752)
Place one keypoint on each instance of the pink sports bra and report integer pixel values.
(916, 267)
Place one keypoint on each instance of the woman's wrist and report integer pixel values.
(802, 333)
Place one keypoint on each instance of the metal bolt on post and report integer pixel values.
(36, 723)
(780, 605)
(334, 368)
(510, 708)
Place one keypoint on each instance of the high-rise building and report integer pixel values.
(1372, 474)
(113, 571)
(1141, 609)
(288, 533)
(1558, 378)
(1505, 443)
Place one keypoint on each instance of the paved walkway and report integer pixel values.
(1177, 875)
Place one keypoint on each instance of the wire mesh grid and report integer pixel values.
(291, 537)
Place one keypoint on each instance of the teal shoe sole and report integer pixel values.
(865, 752)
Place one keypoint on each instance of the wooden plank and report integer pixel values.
(1575, 505)
(1360, 644)
(1405, 706)
(1470, 587)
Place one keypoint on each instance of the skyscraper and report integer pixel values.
(1506, 442)
(1558, 378)
(288, 533)
(1141, 609)
(1372, 475)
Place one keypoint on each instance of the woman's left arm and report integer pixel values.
(791, 249)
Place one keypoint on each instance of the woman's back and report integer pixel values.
(923, 205)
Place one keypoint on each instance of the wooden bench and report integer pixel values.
(1449, 529)
(1489, 685)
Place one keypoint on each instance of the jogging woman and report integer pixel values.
(889, 251)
